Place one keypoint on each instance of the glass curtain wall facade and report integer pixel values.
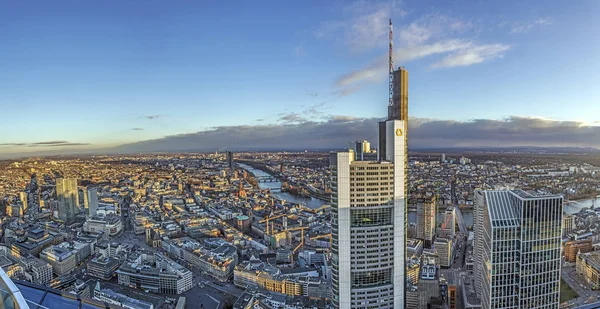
(517, 249)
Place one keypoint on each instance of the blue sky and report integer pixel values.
(106, 73)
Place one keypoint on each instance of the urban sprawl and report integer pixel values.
(254, 230)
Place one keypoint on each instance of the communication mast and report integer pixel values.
(391, 103)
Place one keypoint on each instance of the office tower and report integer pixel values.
(369, 216)
(443, 249)
(397, 110)
(90, 201)
(34, 190)
(443, 158)
(230, 159)
(448, 225)
(568, 224)
(360, 148)
(517, 249)
(363, 151)
(68, 198)
(23, 198)
(429, 283)
(426, 210)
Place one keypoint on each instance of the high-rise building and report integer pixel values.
(369, 214)
(448, 224)
(68, 198)
(517, 249)
(426, 210)
(360, 148)
(230, 159)
(363, 151)
(443, 249)
(568, 224)
(90, 201)
(23, 198)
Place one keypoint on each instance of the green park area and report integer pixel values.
(566, 292)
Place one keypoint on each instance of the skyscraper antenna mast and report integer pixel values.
(391, 103)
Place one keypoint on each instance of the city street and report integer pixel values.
(206, 297)
(586, 295)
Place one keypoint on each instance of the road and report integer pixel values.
(586, 295)
(460, 249)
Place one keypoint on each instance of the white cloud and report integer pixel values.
(345, 91)
(426, 36)
(473, 55)
(291, 118)
(525, 27)
(364, 26)
(367, 32)
(431, 27)
(377, 70)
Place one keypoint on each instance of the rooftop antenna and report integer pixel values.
(391, 103)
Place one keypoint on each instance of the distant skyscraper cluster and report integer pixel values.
(363, 151)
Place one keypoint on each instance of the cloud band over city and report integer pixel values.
(424, 133)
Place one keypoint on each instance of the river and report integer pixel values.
(275, 188)
(573, 207)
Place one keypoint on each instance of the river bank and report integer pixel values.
(575, 206)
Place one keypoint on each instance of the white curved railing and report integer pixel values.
(11, 295)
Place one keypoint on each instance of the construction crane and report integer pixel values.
(321, 236)
(301, 229)
(270, 218)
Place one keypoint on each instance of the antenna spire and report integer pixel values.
(391, 103)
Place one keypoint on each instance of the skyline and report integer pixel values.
(81, 78)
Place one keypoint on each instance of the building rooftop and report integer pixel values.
(592, 258)
(413, 242)
(532, 195)
(59, 252)
(46, 297)
(469, 295)
(502, 210)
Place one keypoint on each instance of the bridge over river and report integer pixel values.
(267, 178)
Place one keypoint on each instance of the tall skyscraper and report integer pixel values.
(517, 249)
(230, 159)
(90, 201)
(68, 198)
(426, 220)
(369, 215)
(23, 197)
